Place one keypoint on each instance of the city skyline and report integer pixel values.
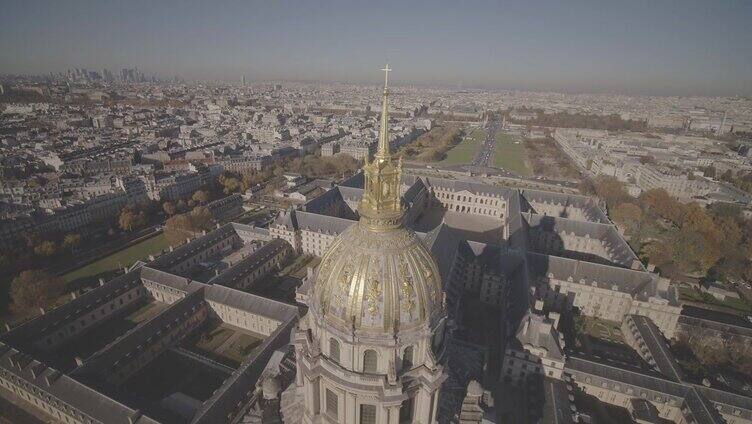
(692, 48)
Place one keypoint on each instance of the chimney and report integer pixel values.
(51, 377)
(554, 316)
(101, 281)
(79, 361)
(538, 305)
(133, 419)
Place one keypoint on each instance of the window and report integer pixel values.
(367, 414)
(334, 350)
(370, 361)
(407, 358)
(332, 403)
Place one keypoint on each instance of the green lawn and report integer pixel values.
(694, 295)
(465, 152)
(125, 257)
(511, 156)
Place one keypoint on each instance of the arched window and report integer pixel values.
(334, 350)
(407, 358)
(370, 361)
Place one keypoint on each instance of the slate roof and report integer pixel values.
(587, 204)
(250, 302)
(113, 353)
(58, 317)
(167, 279)
(603, 276)
(537, 331)
(322, 223)
(693, 397)
(250, 263)
(653, 339)
(619, 250)
(62, 388)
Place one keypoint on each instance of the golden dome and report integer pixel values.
(377, 280)
(378, 275)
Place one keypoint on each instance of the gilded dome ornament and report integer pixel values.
(373, 296)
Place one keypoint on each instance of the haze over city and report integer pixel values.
(330, 212)
(637, 47)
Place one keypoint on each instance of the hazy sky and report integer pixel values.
(646, 47)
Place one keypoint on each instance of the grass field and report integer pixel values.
(119, 259)
(694, 295)
(465, 152)
(511, 156)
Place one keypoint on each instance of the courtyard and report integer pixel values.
(223, 343)
(106, 332)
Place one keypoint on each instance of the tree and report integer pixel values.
(231, 185)
(661, 203)
(34, 288)
(201, 218)
(45, 248)
(201, 196)
(130, 220)
(72, 241)
(611, 190)
(732, 233)
(127, 220)
(180, 227)
(627, 214)
(177, 229)
(695, 218)
(659, 253)
(168, 208)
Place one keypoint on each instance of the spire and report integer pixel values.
(383, 150)
(380, 207)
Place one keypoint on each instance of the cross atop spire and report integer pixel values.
(383, 146)
(386, 70)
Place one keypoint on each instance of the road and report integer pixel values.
(484, 156)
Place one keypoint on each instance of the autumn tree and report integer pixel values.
(34, 289)
(168, 208)
(611, 190)
(177, 229)
(662, 204)
(201, 196)
(71, 241)
(130, 220)
(659, 253)
(45, 248)
(184, 226)
(627, 213)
